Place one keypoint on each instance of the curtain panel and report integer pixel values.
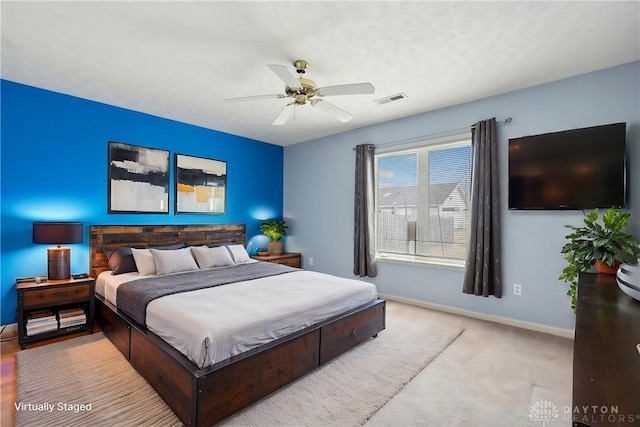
(483, 272)
(364, 213)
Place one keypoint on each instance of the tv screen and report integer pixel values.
(573, 169)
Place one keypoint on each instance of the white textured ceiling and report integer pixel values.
(179, 60)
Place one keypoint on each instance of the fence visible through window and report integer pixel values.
(397, 235)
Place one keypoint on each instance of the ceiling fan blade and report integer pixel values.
(350, 89)
(251, 98)
(333, 111)
(285, 75)
(284, 115)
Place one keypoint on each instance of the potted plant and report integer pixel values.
(275, 230)
(603, 244)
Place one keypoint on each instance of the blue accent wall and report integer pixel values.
(54, 168)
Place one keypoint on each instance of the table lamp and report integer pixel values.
(58, 233)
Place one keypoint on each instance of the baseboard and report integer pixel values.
(10, 330)
(565, 333)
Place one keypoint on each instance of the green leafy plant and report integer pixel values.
(274, 229)
(596, 241)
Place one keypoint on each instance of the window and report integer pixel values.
(423, 201)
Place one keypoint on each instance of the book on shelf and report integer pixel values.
(70, 312)
(40, 316)
(72, 317)
(41, 327)
(72, 321)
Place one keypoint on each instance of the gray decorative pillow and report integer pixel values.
(209, 257)
(121, 260)
(144, 261)
(239, 254)
(173, 261)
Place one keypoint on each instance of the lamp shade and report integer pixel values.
(56, 233)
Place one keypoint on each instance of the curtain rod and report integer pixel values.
(441, 134)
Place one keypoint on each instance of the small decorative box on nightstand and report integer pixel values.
(292, 259)
(53, 308)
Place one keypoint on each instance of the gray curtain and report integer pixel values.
(483, 273)
(364, 214)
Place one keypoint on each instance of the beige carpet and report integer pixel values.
(347, 391)
(491, 376)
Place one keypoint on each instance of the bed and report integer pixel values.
(203, 390)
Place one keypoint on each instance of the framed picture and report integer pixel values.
(138, 179)
(200, 185)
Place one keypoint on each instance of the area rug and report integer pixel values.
(86, 381)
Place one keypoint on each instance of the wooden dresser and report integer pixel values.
(606, 361)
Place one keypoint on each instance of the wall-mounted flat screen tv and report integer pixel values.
(573, 169)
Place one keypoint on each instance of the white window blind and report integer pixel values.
(423, 201)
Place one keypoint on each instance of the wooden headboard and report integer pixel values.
(142, 236)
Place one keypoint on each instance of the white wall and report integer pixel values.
(319, 181)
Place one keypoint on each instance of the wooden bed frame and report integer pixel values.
(202, 397)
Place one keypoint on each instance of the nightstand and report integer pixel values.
(62, 298)
(292, 259)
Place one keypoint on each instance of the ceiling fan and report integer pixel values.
(303, 91)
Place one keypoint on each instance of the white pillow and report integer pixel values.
(211, 257)
(144, 261)
(239, 254)
(173, 261)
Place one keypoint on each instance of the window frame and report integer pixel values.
(453, 141)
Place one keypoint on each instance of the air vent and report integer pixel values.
(391, 98)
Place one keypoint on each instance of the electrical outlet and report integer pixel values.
(310, 261)
(517, 289)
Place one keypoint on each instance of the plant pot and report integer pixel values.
(275, 247)
(605, 269)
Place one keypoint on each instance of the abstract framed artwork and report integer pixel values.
(200, 185)
(138, 179)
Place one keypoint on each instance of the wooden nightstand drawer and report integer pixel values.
(291, 262)
(62, 294)
(292, 259)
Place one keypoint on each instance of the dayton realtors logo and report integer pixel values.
(543, 411)
(602, 414)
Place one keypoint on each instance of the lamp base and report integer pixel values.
(58, 263)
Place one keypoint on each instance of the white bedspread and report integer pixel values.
(211, 325)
